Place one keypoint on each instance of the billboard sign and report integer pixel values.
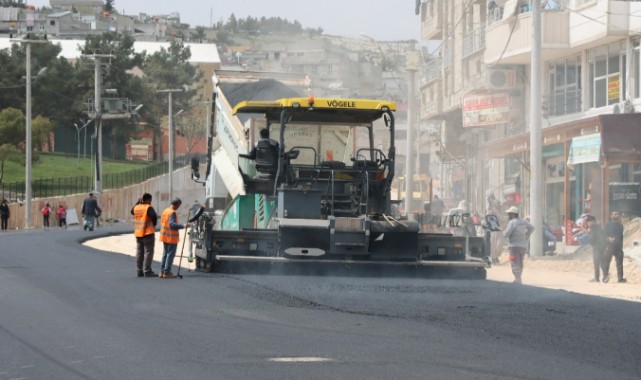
(486, 109)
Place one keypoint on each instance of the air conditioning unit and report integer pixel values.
(501, 79)
(623, 107)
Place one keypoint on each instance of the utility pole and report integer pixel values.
(536, 183)
(171, 139)
(28, 143)
(410, 156)
(97, 115)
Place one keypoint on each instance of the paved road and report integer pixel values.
(71, 312)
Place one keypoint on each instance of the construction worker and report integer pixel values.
(145, 220)
(170, 237)
(518, 233)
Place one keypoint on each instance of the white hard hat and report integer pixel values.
(512, 210)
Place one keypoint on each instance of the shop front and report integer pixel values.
(590, 166)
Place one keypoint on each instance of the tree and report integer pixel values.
(8, 152)
(233, 23)
(42, 128)
(222, 37)
(109, 6)
(169, 69)
(192, 127)
(117, 74)
(12, 126)
(199, 35)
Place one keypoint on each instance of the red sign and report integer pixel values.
(486, 109)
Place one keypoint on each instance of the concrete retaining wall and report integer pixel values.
(117, 203)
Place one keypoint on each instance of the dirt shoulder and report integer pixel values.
(569, 272)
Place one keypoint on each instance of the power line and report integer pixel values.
(455, 25)
(507, 43)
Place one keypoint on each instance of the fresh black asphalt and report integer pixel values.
(71, 312)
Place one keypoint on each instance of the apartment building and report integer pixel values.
(476, 87)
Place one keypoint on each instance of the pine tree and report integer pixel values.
(109, 5)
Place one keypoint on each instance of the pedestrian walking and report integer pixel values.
(598, 243)
(5, 213)
(518, 233)
(493, 207)
(436, 211)
(89, 211)
(62, 217)
(46, 211)
(170, 236)
(614, 233)
(145, 220)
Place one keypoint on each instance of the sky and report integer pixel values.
(382, 20)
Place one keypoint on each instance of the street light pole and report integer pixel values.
(410, 155)
(536, 151)
(98, 115)
(171, 140)
(78, 129)
(28, 143)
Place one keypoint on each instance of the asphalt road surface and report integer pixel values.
(72, 312)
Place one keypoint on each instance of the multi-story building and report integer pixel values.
(477, 88)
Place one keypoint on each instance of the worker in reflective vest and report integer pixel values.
(145, 220)
(170, 237)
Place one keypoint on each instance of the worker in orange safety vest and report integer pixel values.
(170, 237)
(145, 220)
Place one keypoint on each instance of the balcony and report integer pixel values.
(432, 20)
(473, 42)
(562, 103)
(431, 100)
(511, 37)
(431, 71)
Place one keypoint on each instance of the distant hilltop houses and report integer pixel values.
(77, 19)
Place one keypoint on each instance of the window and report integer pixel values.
(330, 68)
(607, 75)
(314, 68)
(636, 70)
(52, 22)
(564, 87)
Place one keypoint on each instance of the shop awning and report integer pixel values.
(585, 149)
(620, 138)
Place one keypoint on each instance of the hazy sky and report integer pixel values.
(380, 19)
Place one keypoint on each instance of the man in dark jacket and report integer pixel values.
(598, 243)
(89, 211)
(614, 233)
(5, 213)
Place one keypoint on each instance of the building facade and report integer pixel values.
(476, 87)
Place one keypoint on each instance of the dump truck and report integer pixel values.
(318, 195)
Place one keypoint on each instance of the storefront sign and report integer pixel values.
(625, 197)
(585, 149)
(613, 89)
(486, 109)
